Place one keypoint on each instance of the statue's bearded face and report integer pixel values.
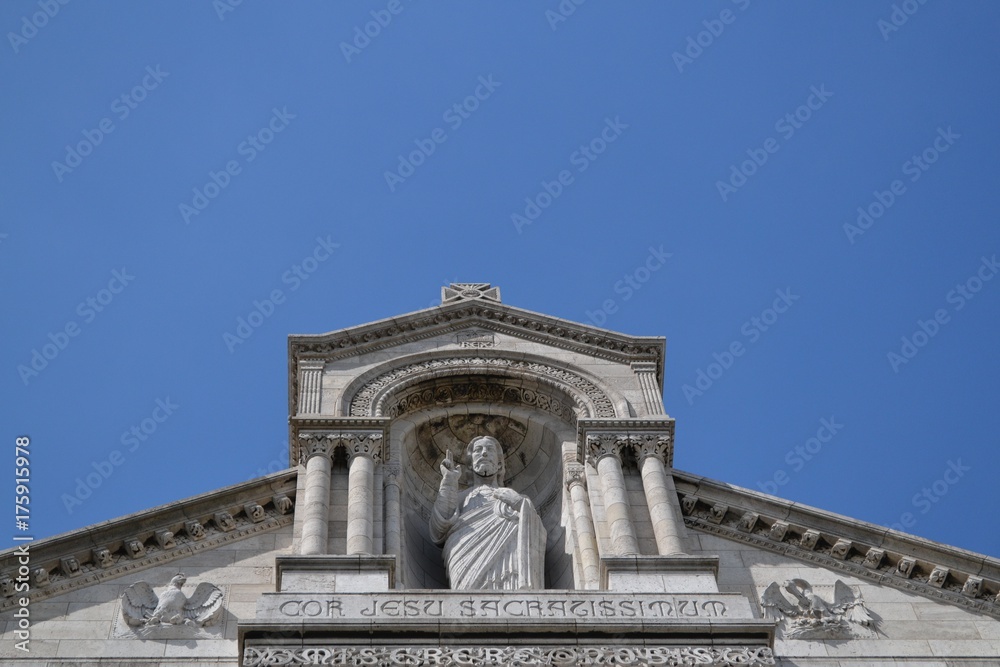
(485, 457)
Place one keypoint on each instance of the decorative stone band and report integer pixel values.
(851, 556)
(501, 656)
(354, 443)
(641, 445)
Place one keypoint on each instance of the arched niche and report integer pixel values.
(535, 445)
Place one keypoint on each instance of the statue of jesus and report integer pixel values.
(493, 538)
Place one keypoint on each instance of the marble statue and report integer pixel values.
(492, 536)
(812, 617)
(142, 607)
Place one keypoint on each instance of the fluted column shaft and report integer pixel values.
(583, 523)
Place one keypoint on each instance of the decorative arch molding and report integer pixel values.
(370, 395)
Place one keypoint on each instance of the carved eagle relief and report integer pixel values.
(812, 617)
(141, 607)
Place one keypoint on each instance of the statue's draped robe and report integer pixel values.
(488, 544)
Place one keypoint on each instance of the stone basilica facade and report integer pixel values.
(476, 484)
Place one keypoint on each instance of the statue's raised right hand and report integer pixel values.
(450, 469)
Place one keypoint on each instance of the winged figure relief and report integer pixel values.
(812, 617)
(143, 608)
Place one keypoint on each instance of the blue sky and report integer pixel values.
(801, 198)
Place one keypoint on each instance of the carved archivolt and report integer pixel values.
(540, 656)
(591, 400)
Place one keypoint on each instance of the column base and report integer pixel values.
(660, 574)
(327, 573)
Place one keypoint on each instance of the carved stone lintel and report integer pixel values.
(254, 512)
(165, 539)
(224, 521)
(973, 586)
(102, 557)
(194, 529)
(904, 567)
(810, 539)
(135, 548)
(688, 503)
(778, 531)
(69, 566)
(841, 549)
(748, 522)
(939, 575)
(874, 558)
(282, 503)
(717, 513)
(575, 474)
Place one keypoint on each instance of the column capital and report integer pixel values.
(315, 444)
(601, 445)
(311, 364)
(390, 473)
(658, 445)
(575, 473)
(362, 443)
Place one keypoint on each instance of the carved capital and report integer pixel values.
(315, 444)
(652, 444)
(575, 474)
(367, 443)
(601, 445)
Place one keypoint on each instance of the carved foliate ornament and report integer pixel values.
(141, 607)
(809, 540)
(363, 444)
(224, 521)
(194, 529)
(315, 444)
(600, 445)
(806, 615)
(282, 503)
(651, 444)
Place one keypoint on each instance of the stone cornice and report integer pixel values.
(860, 549)
(152, 537)
(628, 433)
(495, 317)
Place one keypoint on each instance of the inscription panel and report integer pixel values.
(526, 606)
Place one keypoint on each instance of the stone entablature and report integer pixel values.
(153, 537)
(861, 549)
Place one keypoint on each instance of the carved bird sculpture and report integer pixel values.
(812, 614)
(142, 607)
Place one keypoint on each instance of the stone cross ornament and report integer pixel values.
(492, 536)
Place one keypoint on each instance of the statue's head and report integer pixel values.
(179, 580)
(486, 456)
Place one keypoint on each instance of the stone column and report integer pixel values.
(605, 453)
(651, 451)
(393, 516)
(310, 385)
(583, 524)
(362, 450)
(646, 372)
(315, 451)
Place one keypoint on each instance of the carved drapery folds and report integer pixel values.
(363, 448)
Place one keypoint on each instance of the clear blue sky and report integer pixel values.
(166, 165)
